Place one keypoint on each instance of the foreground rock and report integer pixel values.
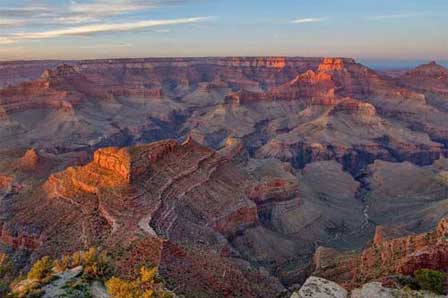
(316, 287)
(375, 289)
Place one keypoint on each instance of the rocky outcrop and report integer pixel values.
(61, 88)
(20, 240)
(319, 287)
(5, 182)
(16, 72)
(3, 114)
(333, 77)
(315, 287)
(136, 91)
(333, 64)
(385, 257)
(30, 160)
(375, 289)
(354, 107)
(130, 165)
(430, 77)
(275, 189)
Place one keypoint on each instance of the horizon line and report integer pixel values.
(227, 57)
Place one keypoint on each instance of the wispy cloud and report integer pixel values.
(8, 23)
(108, 46)
(6, 40)
(99, 28)
(77, 12)
(307, 20)
(395, 16)
(23, 12)
(107, 7)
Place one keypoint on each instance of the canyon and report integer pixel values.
(236, 177)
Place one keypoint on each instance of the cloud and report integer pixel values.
(23, 12)
(108, 8)
(77, 12)
(394, 16)
(8, 23)
(6, 40)
(162, 30)
(108, 46)
(307, 20)
(100, 28)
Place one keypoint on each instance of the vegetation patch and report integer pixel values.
(431, 280)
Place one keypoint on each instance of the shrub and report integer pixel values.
(145, 286)
(41, 269)
(76, 259)
(62, 264)
(76, 289)
(442, 178)
(431, 280)
(408, 281)
(6, 267)
(96, 265)
(147, 275)
(119, 288)
(6, 274)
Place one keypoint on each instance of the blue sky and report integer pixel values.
(364, 29)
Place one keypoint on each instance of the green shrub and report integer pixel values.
(409, 282)
(431, 280)
(76, 289)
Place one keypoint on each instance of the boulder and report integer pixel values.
(315, 287)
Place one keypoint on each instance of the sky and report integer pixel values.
(376, 30)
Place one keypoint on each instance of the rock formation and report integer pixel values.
(316, 287)
(30, 160)
(430, 77)
(384, 257)
(282, 155)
